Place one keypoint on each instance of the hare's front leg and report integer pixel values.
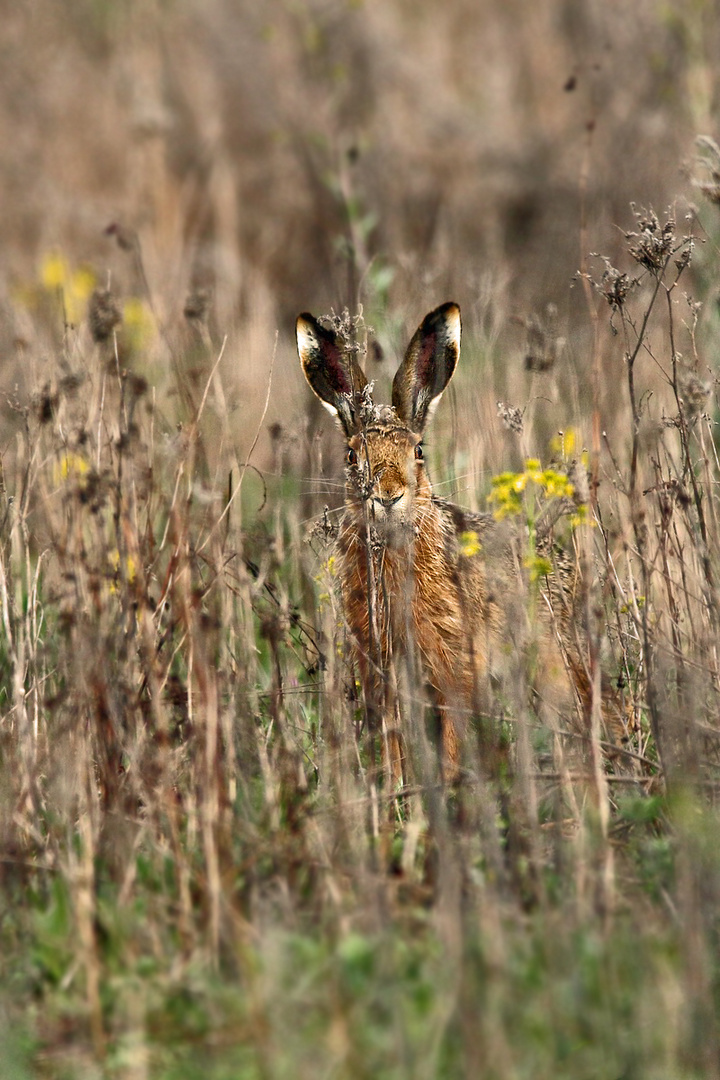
(449, 748)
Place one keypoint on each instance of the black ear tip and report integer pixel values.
(311, 332)
(446, 315)
(450, 310)
(304, 322)
(308, 333)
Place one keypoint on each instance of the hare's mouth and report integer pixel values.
(390, 520)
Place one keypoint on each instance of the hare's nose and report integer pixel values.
(387, 501)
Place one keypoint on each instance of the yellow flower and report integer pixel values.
(506, 493)
(75, 285)
(130, 567)
(555, 484)
(81, 284)
(138, 324)
(581, 516)
(538, 566)
(70, 467)
(469, 544)
(563, 444)
(54, 271)
(510, 490)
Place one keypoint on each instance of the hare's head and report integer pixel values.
(385, 469)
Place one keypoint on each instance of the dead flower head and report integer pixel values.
(103, 314)
(615, 285)
(511, 416)
(653, 243)
(709, 161)
(693, 391)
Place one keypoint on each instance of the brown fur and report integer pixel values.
(408, 588)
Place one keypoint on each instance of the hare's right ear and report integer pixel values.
(428, 367)
(333, 373)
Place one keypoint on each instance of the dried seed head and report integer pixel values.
(197, 305)
(511, 416)
(543, 342)
(377, 354)
(670, 493)
(711, 190)
(709, 160)
(44, 402)
(615, 286)
(69, 385)
(103, 314)
(370, 413)
(135, 386)
(325, 530)
(347, 327)
(652, 244)
(693, 391)
(126, 239)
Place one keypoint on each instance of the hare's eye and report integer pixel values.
(351, 457)
(419, 452)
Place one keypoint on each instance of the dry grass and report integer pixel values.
(199, 872)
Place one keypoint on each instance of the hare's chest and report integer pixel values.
(402, 599)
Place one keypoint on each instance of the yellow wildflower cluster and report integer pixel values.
(115, 562)
(74, 285)
(70, 467)
(538, 566)
(138, 324)
(469, 544)
(509, 488)
(563, 444)
(329, 570)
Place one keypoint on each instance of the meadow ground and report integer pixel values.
(201, 871)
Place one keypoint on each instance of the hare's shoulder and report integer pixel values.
(463, 521)
(476, 540)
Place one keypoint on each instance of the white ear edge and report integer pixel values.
(306, 337)
(454, 326)
(432, 408)
(330, 408)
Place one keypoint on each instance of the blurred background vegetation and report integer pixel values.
(297, 154)
(282, 156)
(193, 877)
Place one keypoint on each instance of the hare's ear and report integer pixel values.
(428, 366)
(334, 375)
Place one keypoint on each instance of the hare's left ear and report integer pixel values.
(429, 363)
(333, 373)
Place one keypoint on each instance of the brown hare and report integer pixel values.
(420, 577)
